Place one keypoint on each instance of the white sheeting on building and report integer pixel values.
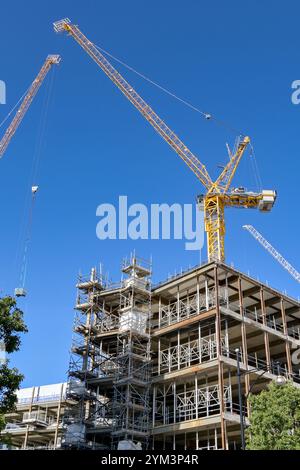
(41, 393)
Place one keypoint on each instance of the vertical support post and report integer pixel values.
(230, 390)
(226, 338)
(58, 416)
(178, 349)
(27, 427)
(178, 305)
(240, 399)
(198, 295)
(266, 334)
(206, 293)
(216, 438)
(174, 404)
(199, 342)
(287, 344)
(196, 395)
(244, 338)
(226, 290)
(154, 406)
(220, 363)
(159, 357)
(159, 311)
(164, 404)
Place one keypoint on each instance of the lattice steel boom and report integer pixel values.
(293, 272)
(50, 60)
(218, 194)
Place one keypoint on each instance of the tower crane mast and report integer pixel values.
(218, 195)
(273, 252)
(10, 131)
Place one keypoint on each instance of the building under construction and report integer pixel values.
(37, 422)
(156, 366)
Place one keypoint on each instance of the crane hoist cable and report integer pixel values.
(206, 115)
(25, 238)
(40, 141)
(219, 193)
(33, 174)
(20, 291)
(13, 108)
(255, 168)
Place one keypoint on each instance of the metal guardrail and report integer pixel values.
(40, 399)
(177, 276)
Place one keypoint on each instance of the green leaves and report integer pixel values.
(11, 322)
(275, 419)
(10, 380)
(11, 325)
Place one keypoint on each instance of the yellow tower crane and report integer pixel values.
(219, 194)
(34, 87)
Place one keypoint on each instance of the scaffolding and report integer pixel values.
(155, 367)
(132, 380)
(109, 370)
(83, 366)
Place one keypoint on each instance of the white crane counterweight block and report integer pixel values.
(267, 201)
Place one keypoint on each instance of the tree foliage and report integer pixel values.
(275, 419)
(11, 323)
(11, 326)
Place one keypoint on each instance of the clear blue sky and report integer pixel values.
(234, 59)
